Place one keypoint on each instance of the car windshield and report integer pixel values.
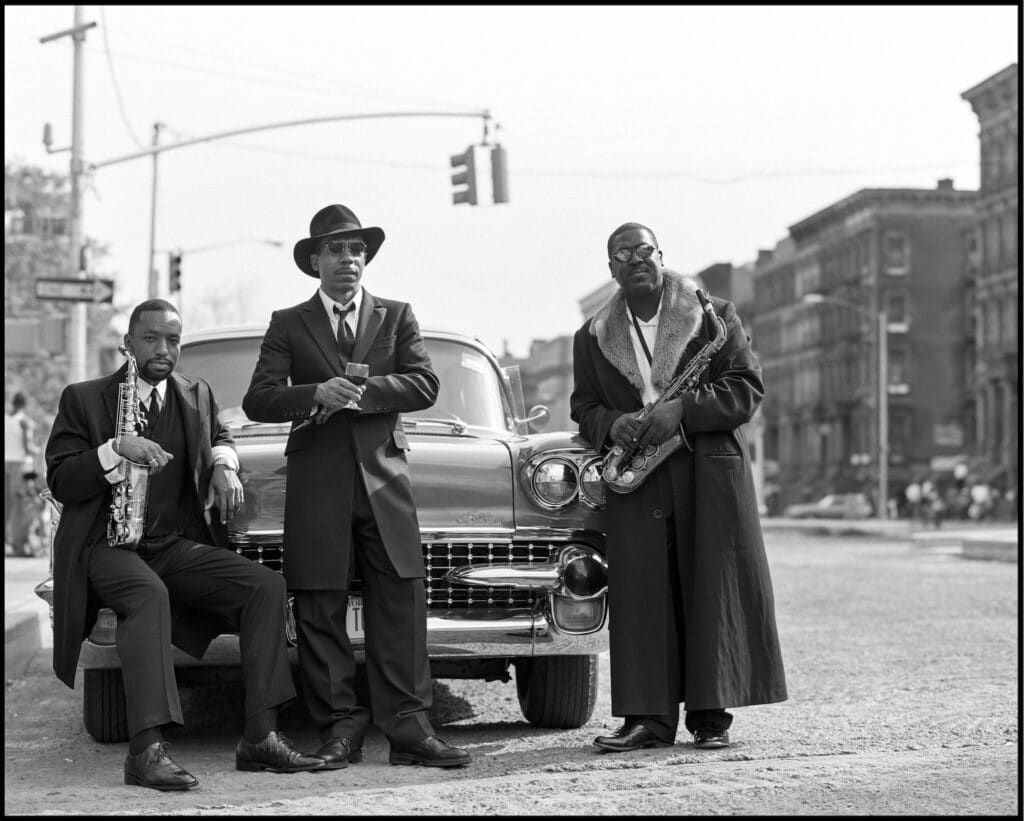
(470, 390)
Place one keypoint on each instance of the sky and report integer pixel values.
(717, 126)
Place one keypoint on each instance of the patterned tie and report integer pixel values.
(346, 339)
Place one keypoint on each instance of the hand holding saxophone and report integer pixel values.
(143, 451)
(660, 423)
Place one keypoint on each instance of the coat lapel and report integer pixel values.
(679, 321)
(187, 392)
(315, 317)
(371, 317)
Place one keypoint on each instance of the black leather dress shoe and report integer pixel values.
(274, 753)
(339, 752)
(628, 737)
(154, 768)
(430, 752)
(710, 739)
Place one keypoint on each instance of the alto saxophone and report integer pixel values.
(624, 469)
(128, 507)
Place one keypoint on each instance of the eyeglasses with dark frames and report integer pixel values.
(339, 246)
(643, 250)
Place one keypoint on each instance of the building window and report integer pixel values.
(897, 314)
(899, 370)
(896, 250)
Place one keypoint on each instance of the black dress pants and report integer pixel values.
(397, 667)
(246, 596)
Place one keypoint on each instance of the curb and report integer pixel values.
(991, 549)
(21, 642)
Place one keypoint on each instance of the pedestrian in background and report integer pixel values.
(20, 450)
(349, 505)
(691, 609)
(177, 584)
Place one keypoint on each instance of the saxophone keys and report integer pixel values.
(628, 477)
(650, 450)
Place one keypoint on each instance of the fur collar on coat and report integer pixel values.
(679, 321)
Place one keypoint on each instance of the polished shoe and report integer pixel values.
(339, 752)
(274, 753)
(628, 737)
(430, 752)
(154, 768)
(710, 739)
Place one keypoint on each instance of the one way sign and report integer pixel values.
(76, 290)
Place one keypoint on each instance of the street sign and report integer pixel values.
(76, 290)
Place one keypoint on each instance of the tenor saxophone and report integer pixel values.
(128, 507)
(624, 469)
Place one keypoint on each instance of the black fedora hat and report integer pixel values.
(334, 221)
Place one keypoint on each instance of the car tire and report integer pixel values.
(557, 691)
(103, 706)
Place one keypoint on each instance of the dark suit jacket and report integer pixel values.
(86, 418)
(299, 351)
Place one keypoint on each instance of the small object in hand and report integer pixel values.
(357, 373)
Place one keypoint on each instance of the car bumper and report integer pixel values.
(448, 638)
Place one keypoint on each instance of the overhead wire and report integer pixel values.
(113, 80)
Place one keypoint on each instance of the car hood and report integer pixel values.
(457, 482)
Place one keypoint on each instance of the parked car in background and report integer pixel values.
(832, 506)
(509, 524)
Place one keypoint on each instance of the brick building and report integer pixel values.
(897, 249)
(993, 275)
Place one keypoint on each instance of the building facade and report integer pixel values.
(894, 250)
(993, 271)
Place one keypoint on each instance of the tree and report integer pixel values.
(37, 203)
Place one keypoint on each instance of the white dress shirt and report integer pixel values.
(352, 317)
(649, 328)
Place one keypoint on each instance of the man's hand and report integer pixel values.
(624, 429)
(660, 423)
(336, 392)
(226, 492)
(144, 452)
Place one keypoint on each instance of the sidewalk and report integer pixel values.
(26, 616)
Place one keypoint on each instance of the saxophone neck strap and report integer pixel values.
(640, 336)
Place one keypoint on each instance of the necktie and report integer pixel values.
(346, 339)
(154, 409)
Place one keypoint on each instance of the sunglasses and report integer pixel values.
(643, 250)
(339, 246)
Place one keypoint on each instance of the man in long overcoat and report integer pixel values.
(690, 598)
(349, 504)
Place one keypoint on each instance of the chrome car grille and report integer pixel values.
(441, 556)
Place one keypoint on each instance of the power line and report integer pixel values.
(113, 79)
(331, 83)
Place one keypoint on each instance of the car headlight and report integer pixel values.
(555, 482)
(591, 484)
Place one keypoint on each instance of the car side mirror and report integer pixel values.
(539, 416)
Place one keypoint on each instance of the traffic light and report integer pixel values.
(466, 176)
(499, 173)
(174, 271)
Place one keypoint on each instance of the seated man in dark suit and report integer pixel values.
(155, 564)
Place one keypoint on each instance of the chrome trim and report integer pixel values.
(461, 637)
(585, 498)
(534, 576)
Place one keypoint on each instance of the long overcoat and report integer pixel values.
(299, 351)
(730, 643)
(86, 418)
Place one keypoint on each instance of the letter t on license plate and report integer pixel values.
(354, 618)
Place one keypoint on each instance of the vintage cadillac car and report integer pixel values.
(509, 523)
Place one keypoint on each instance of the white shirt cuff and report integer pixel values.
(112, 464)
(225, 454)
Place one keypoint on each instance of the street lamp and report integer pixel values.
(881, 388)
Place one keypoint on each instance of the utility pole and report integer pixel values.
(78, 324)
(154, 288)
(883, 414)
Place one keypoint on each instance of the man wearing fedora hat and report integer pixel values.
(349, 505)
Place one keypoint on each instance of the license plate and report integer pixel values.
(354, 618)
